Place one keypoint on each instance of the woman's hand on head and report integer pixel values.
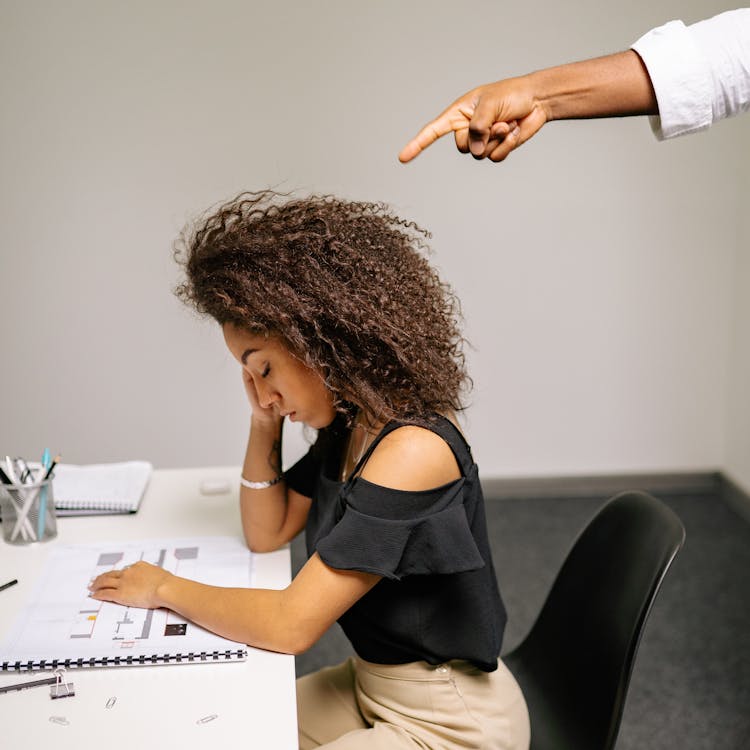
(136, 585)
(267, 415)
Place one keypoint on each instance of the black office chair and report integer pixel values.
(575, 663)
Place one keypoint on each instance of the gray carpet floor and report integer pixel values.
(691, 683)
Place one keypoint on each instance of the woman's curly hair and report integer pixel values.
(344, 286)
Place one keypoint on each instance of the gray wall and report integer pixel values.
(604, 275)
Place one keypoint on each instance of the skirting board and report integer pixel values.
(735, 497)
(698, 483)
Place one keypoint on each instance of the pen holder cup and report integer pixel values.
(28, 512)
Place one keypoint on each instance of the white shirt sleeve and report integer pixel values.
(700, 73)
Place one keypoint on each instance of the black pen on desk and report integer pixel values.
(9, 584)
(32, 683)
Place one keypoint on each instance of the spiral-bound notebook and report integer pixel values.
(100, 488)
(62, 626)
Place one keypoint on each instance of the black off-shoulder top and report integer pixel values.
(439, 598)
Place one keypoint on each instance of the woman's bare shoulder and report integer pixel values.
(412, 458)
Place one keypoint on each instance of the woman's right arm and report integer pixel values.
(492, 120)
(272, 516)
(689, 76)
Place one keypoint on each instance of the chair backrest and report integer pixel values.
(574, 666)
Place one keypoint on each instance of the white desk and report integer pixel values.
(157, 706)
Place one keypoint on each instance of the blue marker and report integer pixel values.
(41, 521)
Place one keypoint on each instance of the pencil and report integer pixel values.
(51, 468)
(9, 584)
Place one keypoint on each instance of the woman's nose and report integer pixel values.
(267, 397)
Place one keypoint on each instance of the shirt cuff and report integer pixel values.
(681, 79)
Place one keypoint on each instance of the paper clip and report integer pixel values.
(61, 689)
(111, 702)
(208, 718)
(61, 720)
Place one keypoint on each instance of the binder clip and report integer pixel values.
(61, 689)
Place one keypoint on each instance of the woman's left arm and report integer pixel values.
(410, 459)
(288, 620)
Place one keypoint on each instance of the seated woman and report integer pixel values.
(339, 322)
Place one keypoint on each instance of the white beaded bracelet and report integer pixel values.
(260, 485)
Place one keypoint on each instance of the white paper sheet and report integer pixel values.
(61, 622)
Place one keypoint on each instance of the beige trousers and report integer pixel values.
(368, 706)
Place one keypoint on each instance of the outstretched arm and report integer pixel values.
(492, 120)
(691, 76)
(289, 620)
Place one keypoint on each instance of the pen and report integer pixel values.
(11, 470)
(30, 684)
(23, 472)
(51, 468)
(60, 689)
(42, 519)
(27, 529)
(24, 512)
(9, 584)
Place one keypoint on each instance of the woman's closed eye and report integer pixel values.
(266, 370)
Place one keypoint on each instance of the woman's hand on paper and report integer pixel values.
(136, 585)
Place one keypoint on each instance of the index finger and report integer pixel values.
(426, 137)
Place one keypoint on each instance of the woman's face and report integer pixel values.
(282, 382)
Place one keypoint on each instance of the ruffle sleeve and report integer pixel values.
(437, 543)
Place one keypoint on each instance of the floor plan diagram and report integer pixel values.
(62, 623)
(132, 624)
